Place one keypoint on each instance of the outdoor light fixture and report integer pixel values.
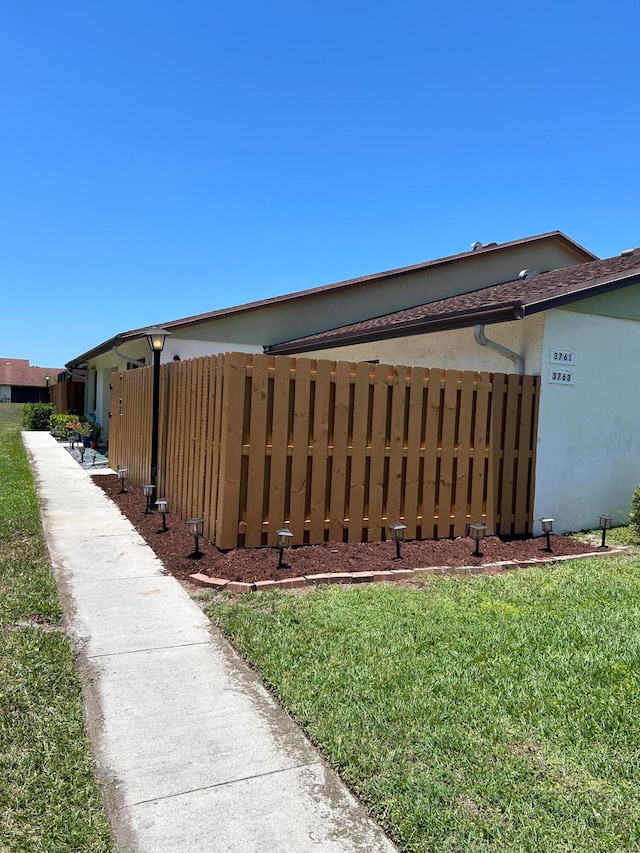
(122, 476)
(284, 537)
(155, 337)
(547, 529)
(477, 531)
(605, 524)
(82, 449)
(196, 529)
(163, 507)
(147, 491)
(397, 534)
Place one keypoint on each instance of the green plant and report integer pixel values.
(36, 416)
(81, 427)
(634, 515)
(60, 424)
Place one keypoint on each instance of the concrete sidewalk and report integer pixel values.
(192, 753)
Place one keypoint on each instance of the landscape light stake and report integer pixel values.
(547, 529)
(284, 537)
(196, 528)
(122, 476)
(397, 533)
(605, 524)
(162, 505)
(147, 491)
(477, 531)
(82, 449)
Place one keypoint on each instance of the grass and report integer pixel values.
(482, 714)
(49, 800)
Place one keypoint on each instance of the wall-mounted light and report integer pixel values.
(147, 491)
(284, 540)
(605, 524)
(122, 476)
(162, 505)
(397, 534)
(477, 531)
(547, 529)
(196, 529)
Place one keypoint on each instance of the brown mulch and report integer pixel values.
(253, 564)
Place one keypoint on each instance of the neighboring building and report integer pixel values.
(21, 383)
(253, 326)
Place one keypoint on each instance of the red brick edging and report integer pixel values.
(388, 576)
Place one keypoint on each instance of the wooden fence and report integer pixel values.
(68, 397)
(335, 451)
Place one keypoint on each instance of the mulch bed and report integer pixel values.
(256, 564)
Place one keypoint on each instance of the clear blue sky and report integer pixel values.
(160, 159)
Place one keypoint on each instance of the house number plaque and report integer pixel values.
(564, 357)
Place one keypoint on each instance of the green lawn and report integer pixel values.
(49, 800)
(480, 714)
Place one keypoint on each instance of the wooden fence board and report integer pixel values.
(414, 458)
(319, 450)
(339, 443)
(279, 448)
(232, 432)
(429, 526)
(300, 450)
(376, 454)
(464, 450)
(447, 458)
(393, 511)
(255, 511)
(359, 434)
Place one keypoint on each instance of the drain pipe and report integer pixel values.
(128, 358)
(483, 340)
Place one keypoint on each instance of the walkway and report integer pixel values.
(192, 753)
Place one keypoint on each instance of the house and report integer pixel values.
(252, 327)
(21, 383)
(578, 328)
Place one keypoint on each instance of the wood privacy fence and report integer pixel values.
(333, 450)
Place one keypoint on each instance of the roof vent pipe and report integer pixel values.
(476, 245)
(525, 274)
(483, 340)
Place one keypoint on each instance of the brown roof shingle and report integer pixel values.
(18, 372)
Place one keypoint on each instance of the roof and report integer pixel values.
(582, 255)
(494, 304)
(17, 372)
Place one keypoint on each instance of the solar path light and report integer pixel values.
(605, 524)
(284, 540)
(397, 534)
(477, 531)
(122, 476)
(547, 529)
(196, 529)
(162, 505)
(147, 491)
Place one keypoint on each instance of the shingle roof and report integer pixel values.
(493, 304)
(579, 251)
(17, 372)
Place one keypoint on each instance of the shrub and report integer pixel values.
(36, 416)
(634, 515)
(60, 425)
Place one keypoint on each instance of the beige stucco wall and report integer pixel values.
(588, 437)
(455, 349)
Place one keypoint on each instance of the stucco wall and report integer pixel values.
(588, 432)
(456, 349)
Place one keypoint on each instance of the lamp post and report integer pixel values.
(155, 337)
(47, 379)
(477, 531)
(397, 533)
(547, 529)
(605, 524)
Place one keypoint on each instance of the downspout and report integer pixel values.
(483, 340)
(128, 358)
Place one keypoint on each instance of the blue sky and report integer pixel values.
(161, 159)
